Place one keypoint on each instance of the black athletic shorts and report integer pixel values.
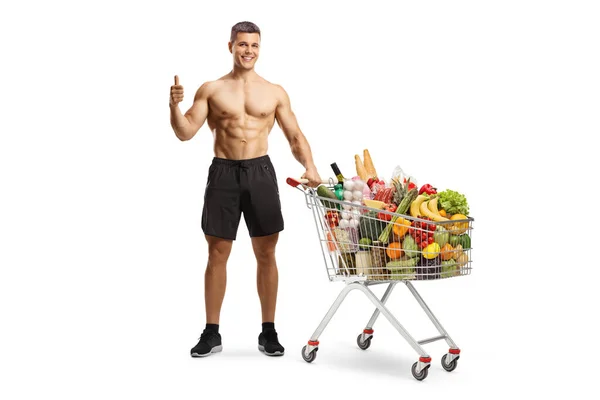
(241, 186)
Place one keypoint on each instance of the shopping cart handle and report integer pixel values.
(293, 182)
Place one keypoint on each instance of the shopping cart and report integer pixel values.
(354, 254)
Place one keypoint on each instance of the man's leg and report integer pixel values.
(266, 274)
(215, 277)
(267, 281)
(220, 219)
(215, 280)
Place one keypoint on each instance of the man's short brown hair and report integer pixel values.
(245, 27)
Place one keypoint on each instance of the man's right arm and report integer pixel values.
(188, 124)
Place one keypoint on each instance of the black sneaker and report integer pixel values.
(210, 342)
(268, 343)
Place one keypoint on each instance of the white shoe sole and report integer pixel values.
(215, 349)
(277, 353)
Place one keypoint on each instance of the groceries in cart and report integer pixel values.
(394, 229)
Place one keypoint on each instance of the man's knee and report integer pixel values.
(265, 255)
(264, 248)
(218, 250)
(264, 251)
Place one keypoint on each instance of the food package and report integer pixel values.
(399, 174)
(347, 239)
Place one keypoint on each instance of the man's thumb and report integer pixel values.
(176, 80)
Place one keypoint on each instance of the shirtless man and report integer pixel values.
(241, 108)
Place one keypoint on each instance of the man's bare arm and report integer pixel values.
(187, 125)
(286, 119)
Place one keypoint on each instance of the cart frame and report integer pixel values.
(353, 282)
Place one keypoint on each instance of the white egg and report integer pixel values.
(358, 184)
(357, 203)
(349, 185)
(347, 207)
(354, 223)
(344, 223)
(348, 195)
(357, 195)
(346, 215)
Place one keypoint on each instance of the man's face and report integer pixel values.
(245, 49)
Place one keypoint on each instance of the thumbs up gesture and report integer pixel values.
(176, 93)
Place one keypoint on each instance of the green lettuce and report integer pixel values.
(453, 202)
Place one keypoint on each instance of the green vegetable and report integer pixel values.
(405, 203)
(370, 226)
(385, 234)
(410, 247)
(448, 268)
(365, 243)
(465, 241)
(402, 268)
(402, 209)
(454, 240)
(323, 191)
(441, 235)
(402, 262)
(453, 202)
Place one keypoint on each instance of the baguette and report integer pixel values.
(369, 164)
(360, 169)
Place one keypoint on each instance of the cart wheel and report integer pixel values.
(449, 367)
(311, 357)
(422, 375)
(363, 344)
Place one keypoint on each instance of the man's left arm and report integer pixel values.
(300, 148)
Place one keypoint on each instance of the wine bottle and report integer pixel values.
(338, 173)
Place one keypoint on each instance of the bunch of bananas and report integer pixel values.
(422, 206)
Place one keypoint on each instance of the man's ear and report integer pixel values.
(229, 44)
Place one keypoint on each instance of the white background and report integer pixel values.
(102, 256)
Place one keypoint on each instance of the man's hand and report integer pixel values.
(176, 93)
(313, 177)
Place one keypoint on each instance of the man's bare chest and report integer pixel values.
(228, 103)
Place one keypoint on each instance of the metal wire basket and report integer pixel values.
(364, 243)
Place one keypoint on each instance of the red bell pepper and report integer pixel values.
(427, 189)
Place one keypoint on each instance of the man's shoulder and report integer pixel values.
(208, 88)
(276, 89)
(274, 86)
(210, 85)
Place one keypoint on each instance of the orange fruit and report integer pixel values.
(394, 250)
